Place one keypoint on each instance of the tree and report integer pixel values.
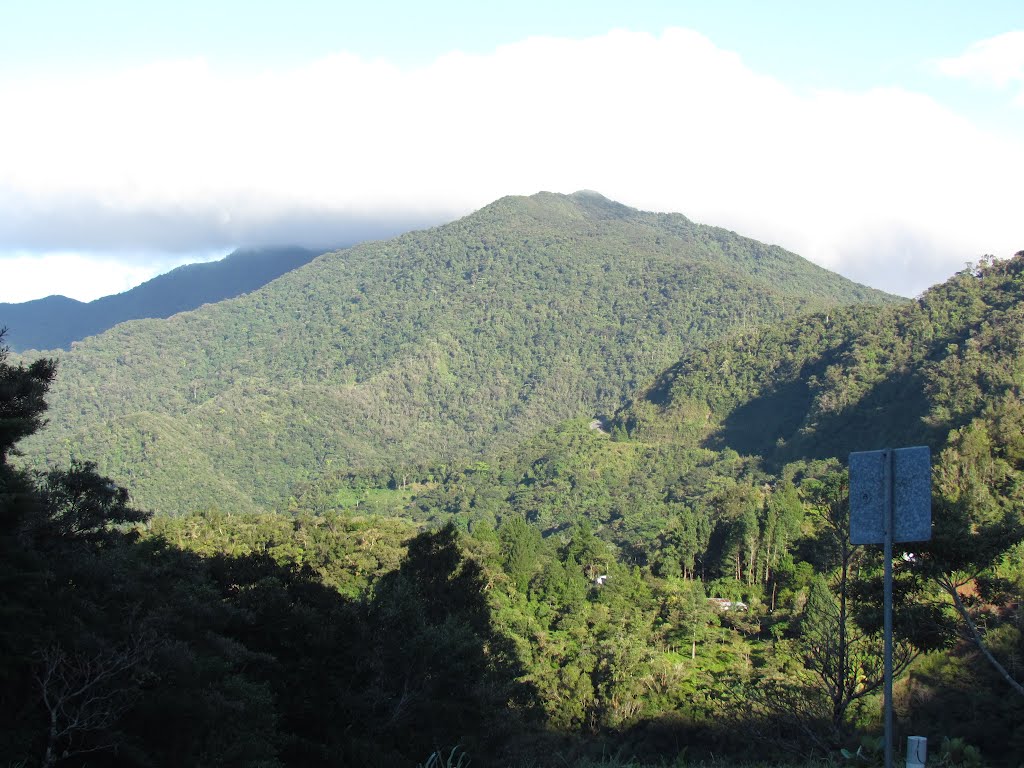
(439, 669)
(521, 543)
(81, 503)
(22, 398)
(686, 614)
(87, 692)
(783, 515)
(84, 681)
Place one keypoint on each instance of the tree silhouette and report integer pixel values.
(22, 398)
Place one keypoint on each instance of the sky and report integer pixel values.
(882, 140)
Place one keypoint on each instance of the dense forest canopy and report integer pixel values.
(671, 486)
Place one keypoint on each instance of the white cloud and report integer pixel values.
(193, 157)
(81, 276)
(996, 61)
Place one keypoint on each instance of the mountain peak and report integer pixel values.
(590, 196)
(596, 204)
(581, 205)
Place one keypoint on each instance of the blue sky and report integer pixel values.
(882, 140)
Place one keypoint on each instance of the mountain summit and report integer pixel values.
(436, 345)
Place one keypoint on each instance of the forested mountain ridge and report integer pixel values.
(55, 322)
(435, 345)
(852, 378)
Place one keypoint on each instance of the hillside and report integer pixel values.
(439, 344)
(738, 415)
(856, 378)
(57, 321)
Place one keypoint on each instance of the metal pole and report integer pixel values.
(887, 524)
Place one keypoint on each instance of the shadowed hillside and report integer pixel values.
(857, 378)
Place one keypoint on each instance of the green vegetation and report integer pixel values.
(436, 346)
(670, 588)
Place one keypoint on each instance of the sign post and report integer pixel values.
(890, 501)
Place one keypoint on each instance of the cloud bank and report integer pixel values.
(886, 186)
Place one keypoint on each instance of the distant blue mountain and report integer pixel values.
(56, 321)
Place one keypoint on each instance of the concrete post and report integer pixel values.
(917, 751)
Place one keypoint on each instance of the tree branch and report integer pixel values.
(950, 588)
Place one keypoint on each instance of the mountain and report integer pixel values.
(57, 321)
(626, 585)
(855, 378)
(437, 345)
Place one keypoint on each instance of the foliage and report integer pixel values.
(820, 386)
(870, 751)
(455, 759)
(956, 753)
